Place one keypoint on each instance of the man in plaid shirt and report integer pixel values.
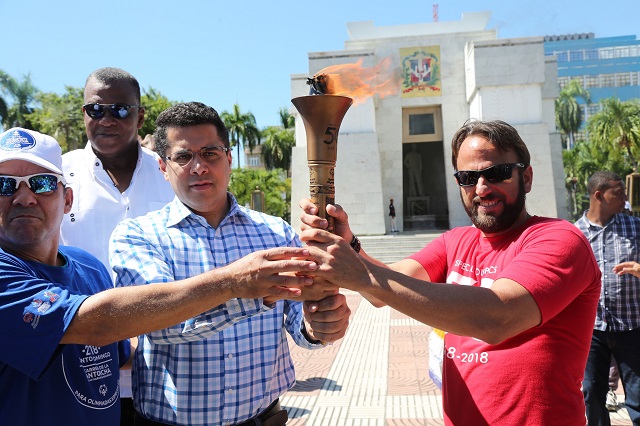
(615, 239)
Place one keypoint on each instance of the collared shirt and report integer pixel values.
(618, 241)
(229, 363)
(98, 205)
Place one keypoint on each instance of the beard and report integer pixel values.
(490, 224)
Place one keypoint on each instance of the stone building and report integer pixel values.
(451, 71)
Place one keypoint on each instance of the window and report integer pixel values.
(591, 81)
(561, 56)
(606, 53)
(563, 81)
(623, 79)
(622, 52)
(576, 55)
(421, 124)
(591, 55)
(254, 161)
(607, 80)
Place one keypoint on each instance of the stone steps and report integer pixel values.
(394, 247)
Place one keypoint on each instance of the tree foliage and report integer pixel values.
(278, 142)
(276, 188)
(243, 130)
(277, 146)
(23, 93)
(568, 112)
(613, 144)
(617, 127)
(154, 103)
(61, 117)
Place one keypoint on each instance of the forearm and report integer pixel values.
(464, 310)
(119, 313)
(209, 323)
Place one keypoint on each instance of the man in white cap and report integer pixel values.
(60, 316)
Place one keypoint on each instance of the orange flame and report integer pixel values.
(360, 83)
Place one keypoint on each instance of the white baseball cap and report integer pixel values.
(28, 145)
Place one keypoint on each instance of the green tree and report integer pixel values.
(279, 142)
(61, 117)
(617, 128)
(23, 94)
(568, 112)
(276, 148)
(242, 129)
(580, 163)
(287, 121)
(4, 109)
(154, 103)
(276, 188)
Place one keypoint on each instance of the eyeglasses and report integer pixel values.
(119, 111)
(208, 154)
(493, 174)
(38, 183)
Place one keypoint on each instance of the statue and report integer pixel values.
(413, 163)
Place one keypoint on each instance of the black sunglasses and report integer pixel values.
(208, 154)
(119, 111)
(38, 183)
(493, 174)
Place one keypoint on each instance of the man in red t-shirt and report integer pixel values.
(519, 315)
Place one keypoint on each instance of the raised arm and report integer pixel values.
(490, 314)
(119, 313)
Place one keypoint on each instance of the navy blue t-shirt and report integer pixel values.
(41, 381)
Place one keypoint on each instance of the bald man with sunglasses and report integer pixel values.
(64, 326)
(516, 294)
(113, 177)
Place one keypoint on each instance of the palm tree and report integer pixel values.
(4, 109)
(287, 121)
(242, 129)
(23, 94)
(617, 128)
(279, 142)
(568, 111)
(277, 147)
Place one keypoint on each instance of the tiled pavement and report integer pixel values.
(375, 376)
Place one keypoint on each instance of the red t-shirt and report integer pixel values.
(533, 378)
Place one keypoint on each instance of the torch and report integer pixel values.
(322, 115)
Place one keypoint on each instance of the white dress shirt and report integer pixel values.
(98, 206)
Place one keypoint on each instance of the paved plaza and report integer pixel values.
(376, 376)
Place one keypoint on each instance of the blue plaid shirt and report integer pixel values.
(225, 365)
(618, 241)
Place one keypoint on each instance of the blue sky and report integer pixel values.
(244, 51)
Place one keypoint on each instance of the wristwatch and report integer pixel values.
(355, 244)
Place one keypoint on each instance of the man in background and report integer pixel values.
(113, 177)
(615, 239)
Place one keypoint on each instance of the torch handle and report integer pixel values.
(321, 201)
(322, 190)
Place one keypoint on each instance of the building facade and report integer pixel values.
(399, 146)
(606, 67)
